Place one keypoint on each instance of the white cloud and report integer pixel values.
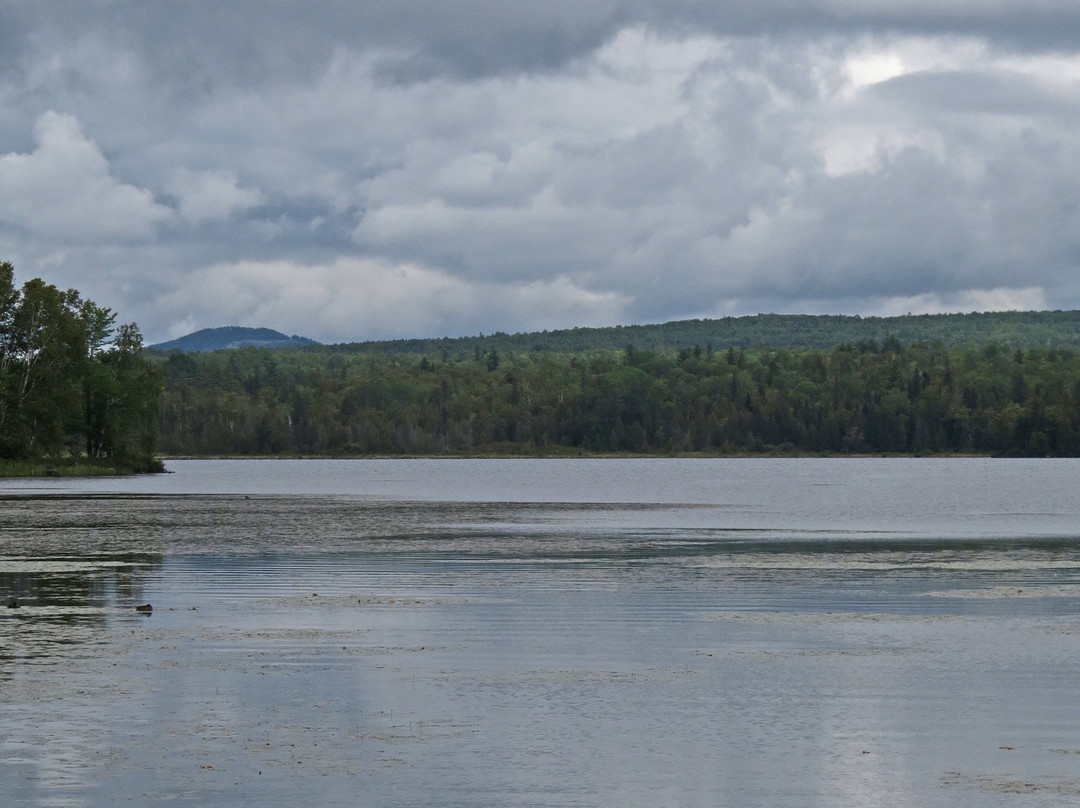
(675, 175)
(210, 195)
(1030, 298)
(352, 299)
(64, 190)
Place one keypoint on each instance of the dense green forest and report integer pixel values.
(870, 397)
(75, 390)
(1051, 329)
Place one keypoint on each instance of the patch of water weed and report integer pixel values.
(1009, 784)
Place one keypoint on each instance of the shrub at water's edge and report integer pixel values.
(75, 467)
(76, 394)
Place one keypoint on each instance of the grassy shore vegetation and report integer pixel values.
(77, 395)
(60, 467)
(888, 398)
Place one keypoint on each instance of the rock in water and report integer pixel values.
(147, 609)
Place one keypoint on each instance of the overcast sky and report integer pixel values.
(391, 168)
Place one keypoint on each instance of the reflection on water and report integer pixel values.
(706, 648)
(63, 601)
(66, 565)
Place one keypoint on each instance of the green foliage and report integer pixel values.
(862, 398)
(69, 384)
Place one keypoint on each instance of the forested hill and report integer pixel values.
(232, 336)
(1050, 329)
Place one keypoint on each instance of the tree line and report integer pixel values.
(1052, 329)
(869, 397)
(74, 386)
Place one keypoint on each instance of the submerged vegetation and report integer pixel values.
(857, 399)
(77, 396)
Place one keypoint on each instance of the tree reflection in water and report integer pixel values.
(68, 570)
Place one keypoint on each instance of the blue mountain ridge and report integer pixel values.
(232, 336)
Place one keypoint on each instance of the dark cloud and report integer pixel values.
(198, 44)
(195, 45)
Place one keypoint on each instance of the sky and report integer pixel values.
(373, 169)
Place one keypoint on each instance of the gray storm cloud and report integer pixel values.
(350, 171)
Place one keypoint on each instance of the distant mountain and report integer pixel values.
(233, 336)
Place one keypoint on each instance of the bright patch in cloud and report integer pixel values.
(1031, 298)
(210, 195)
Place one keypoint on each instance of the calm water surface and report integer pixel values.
(544, 633)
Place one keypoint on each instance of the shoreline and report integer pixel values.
(43, 470)
(593, 456)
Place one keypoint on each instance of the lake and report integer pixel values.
(668, 632)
